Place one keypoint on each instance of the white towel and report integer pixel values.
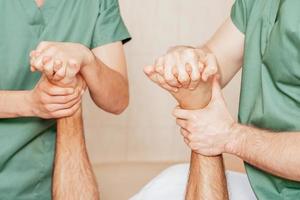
(171, 183)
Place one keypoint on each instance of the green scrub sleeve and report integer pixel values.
(109, 26)
(239, 15)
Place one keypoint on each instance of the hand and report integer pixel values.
(60, 60)
(183, 67)
(207, 131)
(50, 101)
(182, 95)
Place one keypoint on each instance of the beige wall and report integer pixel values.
(147, 131)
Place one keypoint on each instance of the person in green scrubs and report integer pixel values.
(89, 32)
(262, 38)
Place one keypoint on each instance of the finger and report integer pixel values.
(61, 73)
(33, 53)
(48, 67)
(159, 65)
(58, 91)
(169, 72)
(57, 65)
(200, 66)
(183, 76)
(186, 141)
(169, 76)
(158, 79)
(33, 58)
(182, 123)
(67, 112)
(38, 62)
(183, 114)
(63, 106)
(63, 99)
(211, 67)
(184, 132)
(195, 75)
(72, 67)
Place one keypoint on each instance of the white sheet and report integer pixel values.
(170, 185)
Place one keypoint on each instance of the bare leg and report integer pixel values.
(207, 179)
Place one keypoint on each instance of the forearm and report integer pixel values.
(207, 178)
(108, 88)
(227, 45)
(73, 176)
(14, 104)
(275, 153)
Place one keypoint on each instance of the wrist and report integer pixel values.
(236, 140)
(25, 109)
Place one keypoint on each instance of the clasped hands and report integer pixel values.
(59, 92)
(181, 71)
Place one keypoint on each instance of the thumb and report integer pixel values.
(216, 88)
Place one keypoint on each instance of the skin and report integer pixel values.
(108, 86)
(186, 72)
(106, 77)
(73, 176)
(207, 178)
(212, 131)
(67, 69)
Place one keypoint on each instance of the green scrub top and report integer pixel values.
(27, 144)
(270, 93)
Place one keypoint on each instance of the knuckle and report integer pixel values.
(190, 137)
(43, 98)
(169, 78)
(49, 108)
(162, 81)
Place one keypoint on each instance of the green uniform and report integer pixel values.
(27, 144)
(270, 94)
